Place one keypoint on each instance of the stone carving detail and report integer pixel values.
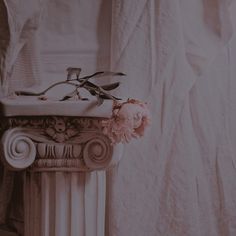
(97, 152)
(18, 150)
(53, 143)
(60, 130)
(57, 122)
(58, 151)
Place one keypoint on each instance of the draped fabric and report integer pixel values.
(20, 66)
(181, 175)
(19, 52)
(179, 179)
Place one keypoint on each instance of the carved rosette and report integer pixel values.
(55, 143)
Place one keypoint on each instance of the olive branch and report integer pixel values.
(73, 78)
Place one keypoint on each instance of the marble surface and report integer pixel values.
(32, 106)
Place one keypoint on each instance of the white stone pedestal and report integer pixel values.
(63, 153)
(64, 203)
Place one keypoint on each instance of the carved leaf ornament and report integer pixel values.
(55, 143)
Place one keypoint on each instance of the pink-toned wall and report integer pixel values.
(199, 193)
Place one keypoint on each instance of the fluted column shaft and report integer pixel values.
(64, 203)
(64, 161)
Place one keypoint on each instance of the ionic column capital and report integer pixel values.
(55, 143)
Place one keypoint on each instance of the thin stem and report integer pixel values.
(46, 90)
(81, 83)
(58, 83)
(90, 76)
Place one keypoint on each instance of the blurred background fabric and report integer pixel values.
(180, 59)
(179, 56)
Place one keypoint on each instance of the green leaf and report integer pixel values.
(102, 74)
(69, 95)
(27, 93)
(109, 87)
(109, 73)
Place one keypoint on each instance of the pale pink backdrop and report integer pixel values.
(179, 56)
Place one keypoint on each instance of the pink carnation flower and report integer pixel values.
(129, 120)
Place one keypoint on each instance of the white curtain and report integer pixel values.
(20, 67)
(180, 178)
(19, 51)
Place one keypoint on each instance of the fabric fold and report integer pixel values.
(164, 68)
(18, 41)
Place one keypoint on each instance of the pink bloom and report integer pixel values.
(129, 120)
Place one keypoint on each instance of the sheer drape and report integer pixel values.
(19, 52)
(20, 66)
(179, 179)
